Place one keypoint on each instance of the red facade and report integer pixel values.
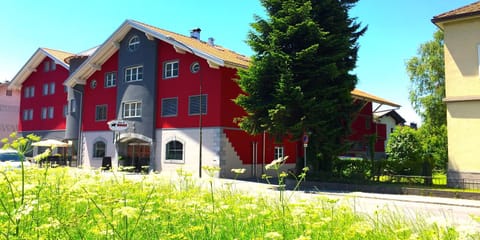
(98, 94)
(41, 103)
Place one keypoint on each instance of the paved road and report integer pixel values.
(443, 211)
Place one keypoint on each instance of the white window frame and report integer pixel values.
(132, 109)
(46, 66)
(96, 149)
(43, 114)
(134, 74)
(133, 43)
(32, 91)
(65, 110)
(279, 151)
(110, 79)
(171, 160)
(171, 69)
(51, 112)
(195, 111)
(52, 88)
(97, 107)
(45, 89)
(164, 107)
(28, 114)
(73, 106)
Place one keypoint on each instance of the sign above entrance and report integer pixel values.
(118, 125)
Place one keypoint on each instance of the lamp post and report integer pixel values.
(200, 120)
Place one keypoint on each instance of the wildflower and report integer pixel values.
(283, 174)
(126, 211)
(238, 170)
(273, 235)
(275, 164)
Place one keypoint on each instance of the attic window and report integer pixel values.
(133, 43)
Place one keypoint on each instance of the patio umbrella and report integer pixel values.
(50, 143)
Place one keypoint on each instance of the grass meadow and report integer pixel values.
(64, 203)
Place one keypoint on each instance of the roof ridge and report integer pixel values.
(217, 46)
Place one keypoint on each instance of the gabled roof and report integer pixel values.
(32, 64)
(393, 114)
(468, 11)
(215, 55)
(372, 98)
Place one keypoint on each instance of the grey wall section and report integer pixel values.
(73, 119)
(145, 90)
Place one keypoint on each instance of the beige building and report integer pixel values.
(9, 109)
(462, 83)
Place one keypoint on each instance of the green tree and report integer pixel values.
(427, 81)
(434, 146)
(404, 152)
(300, 78)
(427, 91)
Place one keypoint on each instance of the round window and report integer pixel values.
(93, 84)
(133, 43)
(195, 67)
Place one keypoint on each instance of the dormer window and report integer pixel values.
(133, 43)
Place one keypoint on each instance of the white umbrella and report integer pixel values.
(50, 143)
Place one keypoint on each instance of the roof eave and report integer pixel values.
(104, 51)
(31, 66)
(440, 21)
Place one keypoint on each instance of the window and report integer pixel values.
(132, 109)
(169, 107)
(99, 149)
(134, 74)
(93, 84)
(9, 93)
(52, 88)
(278, 152)
(170, 69)
(50, 112)
(100, 112)
(72, 106)
(133, 43)
(195, 67)
(32, 91)
(53, 66)
(110, 79)
(46, 66)
(44, 113)
(28, 114)
(29, 92)
(174, 150)
(65, 110)
(194, 104)
(45, 89)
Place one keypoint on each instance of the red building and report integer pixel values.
(43, 100)
(169, 99)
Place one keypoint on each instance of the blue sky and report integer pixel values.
(396, 28)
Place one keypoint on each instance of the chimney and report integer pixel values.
(195, 33)
(211, 41)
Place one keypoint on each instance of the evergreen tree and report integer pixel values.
(300, 77)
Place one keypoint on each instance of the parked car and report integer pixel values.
(10, 158)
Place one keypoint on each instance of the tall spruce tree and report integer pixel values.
(300, 77)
